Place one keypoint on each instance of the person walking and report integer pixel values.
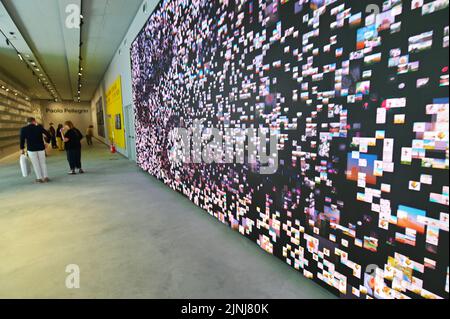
(33, 136)
(90, 135)
(72, 139)
(59, 138)
(52, 132)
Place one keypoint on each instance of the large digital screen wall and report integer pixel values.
(356, 93)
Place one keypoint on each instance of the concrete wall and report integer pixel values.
(121, 65)
(15, 108)
(59, 112)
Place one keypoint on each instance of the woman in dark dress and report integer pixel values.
(72, 139)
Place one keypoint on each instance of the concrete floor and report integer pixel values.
(131, 236)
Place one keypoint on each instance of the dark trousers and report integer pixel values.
(74, 158)
(89, 140)
(54, 144)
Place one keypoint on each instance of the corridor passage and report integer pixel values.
(131, 236)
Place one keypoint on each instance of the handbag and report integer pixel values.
(48, 149)
(25, 165)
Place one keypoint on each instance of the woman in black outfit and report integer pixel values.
(72, 138)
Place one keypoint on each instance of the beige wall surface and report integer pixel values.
(59, 112)
(15, 108)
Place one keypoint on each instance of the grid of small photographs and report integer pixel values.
(359, 98)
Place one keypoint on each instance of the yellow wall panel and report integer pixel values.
(114, 111)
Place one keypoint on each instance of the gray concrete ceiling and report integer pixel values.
(38, 31)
